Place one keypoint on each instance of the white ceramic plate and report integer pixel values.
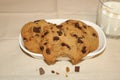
(102, 41)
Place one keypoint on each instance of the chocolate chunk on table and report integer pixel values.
(42, 71)
(77, 68)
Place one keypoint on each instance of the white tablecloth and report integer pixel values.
(16, 65)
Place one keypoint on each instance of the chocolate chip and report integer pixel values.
(41, 70)
(30, 39)
(36, 21)
(24, 38)
(65, 34)
(52, 71)
(41, 48)
(48, 51)
(36, 29)
(59, 32)
(67, 28)
(55, 38)
(95, 35)
(85, 26)
(59, 26)
(45, 34)
(77, 68)
(85, 32)
(53, 31)
(83, 49)
(74, 35)
(45, 43)
(67, 21)
(51, 28)
(64, 44)
(78, 26)
(79, 40)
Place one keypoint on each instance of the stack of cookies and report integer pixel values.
(72, 38)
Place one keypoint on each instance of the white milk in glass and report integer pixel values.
(110, 18)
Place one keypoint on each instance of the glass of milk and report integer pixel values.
(108, 17)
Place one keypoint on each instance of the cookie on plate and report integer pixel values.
(66, 39)
(50, 43)
(81, 43)
(31, 33)
(89, 32)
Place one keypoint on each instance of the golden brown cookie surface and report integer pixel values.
(31, 33)
(89, 32)
(72, 38)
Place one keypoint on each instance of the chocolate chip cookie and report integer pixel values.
(31, 33)
(70, 39)
(89, 32)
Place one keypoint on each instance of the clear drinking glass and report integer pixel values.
(108, 17)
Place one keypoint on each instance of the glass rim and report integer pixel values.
(109, 8)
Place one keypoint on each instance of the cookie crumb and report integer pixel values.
(77, 68)
(57, 73)
(42, 71)
(66, 75)
(67, 69)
